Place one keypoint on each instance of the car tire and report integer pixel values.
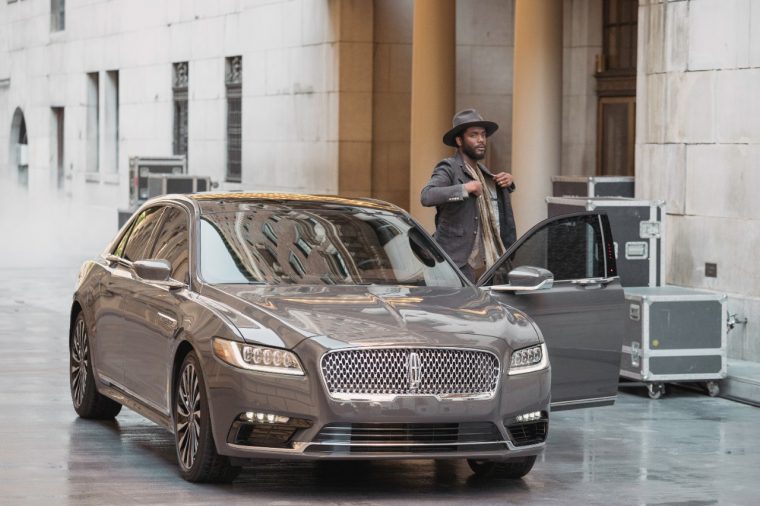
(197, 457)
(88, 402)
(512, 469)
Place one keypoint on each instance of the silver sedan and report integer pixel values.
(302, 327)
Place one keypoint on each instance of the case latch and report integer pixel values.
(650, 229)
(635, 354)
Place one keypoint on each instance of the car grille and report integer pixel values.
(529, 433)
(389, 372)
(407, 438)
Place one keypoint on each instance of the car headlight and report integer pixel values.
(532, 358)
(257, 358)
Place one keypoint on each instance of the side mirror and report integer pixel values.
(526, 278)
(157, 271)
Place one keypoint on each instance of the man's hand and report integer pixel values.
(474, 188)
(503, 179)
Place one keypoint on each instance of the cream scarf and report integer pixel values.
(492, 245)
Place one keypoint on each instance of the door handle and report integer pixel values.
(591, 283)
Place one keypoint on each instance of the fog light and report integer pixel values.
(529, 417)
(257, 417)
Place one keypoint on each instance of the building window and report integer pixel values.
(620, 32)
(616, 89)
(93, 122)
(233, 85)
(57, 15)
(180, 84)
(111, 127)
(57, 148)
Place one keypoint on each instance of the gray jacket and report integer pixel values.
(456, 214)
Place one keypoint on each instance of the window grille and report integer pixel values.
(233, 85)
(180, 86)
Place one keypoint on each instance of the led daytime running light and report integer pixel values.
(257, 358)
(528, 359)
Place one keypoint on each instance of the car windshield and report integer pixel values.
(319, 245)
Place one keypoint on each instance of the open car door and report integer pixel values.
(581, 314)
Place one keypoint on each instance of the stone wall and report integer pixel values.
(485, 43)
(582, 42)
(291, 86)
(698, 146)
(392, 90)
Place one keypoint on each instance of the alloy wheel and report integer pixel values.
(188, 416)
(80, 358)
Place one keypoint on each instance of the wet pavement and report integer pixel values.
(685, 448)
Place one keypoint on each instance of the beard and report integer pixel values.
(470, 151)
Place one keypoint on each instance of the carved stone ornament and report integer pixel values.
(181, 74)
(234, 70)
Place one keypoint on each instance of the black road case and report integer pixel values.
(674, 334)
(637, 228)
(593, 186)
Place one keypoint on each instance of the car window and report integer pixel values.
(341, 245)
(134, 244)
(172, 242)
(570, 247)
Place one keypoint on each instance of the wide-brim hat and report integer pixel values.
(464, 120)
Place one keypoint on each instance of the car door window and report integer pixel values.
(135, 243)
(172, 242)
(570, 247)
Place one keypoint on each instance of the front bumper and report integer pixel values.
(233, 392)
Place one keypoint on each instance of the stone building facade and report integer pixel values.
(344, 96)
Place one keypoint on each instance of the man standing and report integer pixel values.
(474, 223)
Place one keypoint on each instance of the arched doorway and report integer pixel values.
(19, 149)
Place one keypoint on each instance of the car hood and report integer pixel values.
(371, 315)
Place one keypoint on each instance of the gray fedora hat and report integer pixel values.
(464, 120)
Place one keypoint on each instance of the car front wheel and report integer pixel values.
(512, 469)
(196, 452)
(88, 402)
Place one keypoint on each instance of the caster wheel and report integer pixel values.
(656, 390)
(713, 389)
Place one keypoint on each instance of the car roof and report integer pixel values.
(220, 202)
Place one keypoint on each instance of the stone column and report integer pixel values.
(537, 113)
(355, 97)
(433, 62)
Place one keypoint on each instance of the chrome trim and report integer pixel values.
(544, 285)
(114, 384)
(403, 443)
(512, 446)
(168, 319)
(298, 447)
(391, 397)
(584, 401)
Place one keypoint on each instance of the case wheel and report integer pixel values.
(713, 389)
(656, 390)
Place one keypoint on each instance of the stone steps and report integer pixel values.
(743, 382)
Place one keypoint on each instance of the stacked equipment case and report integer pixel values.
(637, 227)
(593, 186)
(672, 334)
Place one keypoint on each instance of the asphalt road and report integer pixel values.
(685, 448)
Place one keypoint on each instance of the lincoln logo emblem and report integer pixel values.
(415, 370)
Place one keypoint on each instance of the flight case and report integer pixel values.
(637, 229)
(593, 186)
(674, 334)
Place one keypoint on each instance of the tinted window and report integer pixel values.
(172, 242)
(571, 248)
(341, 245)
(132, 247)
